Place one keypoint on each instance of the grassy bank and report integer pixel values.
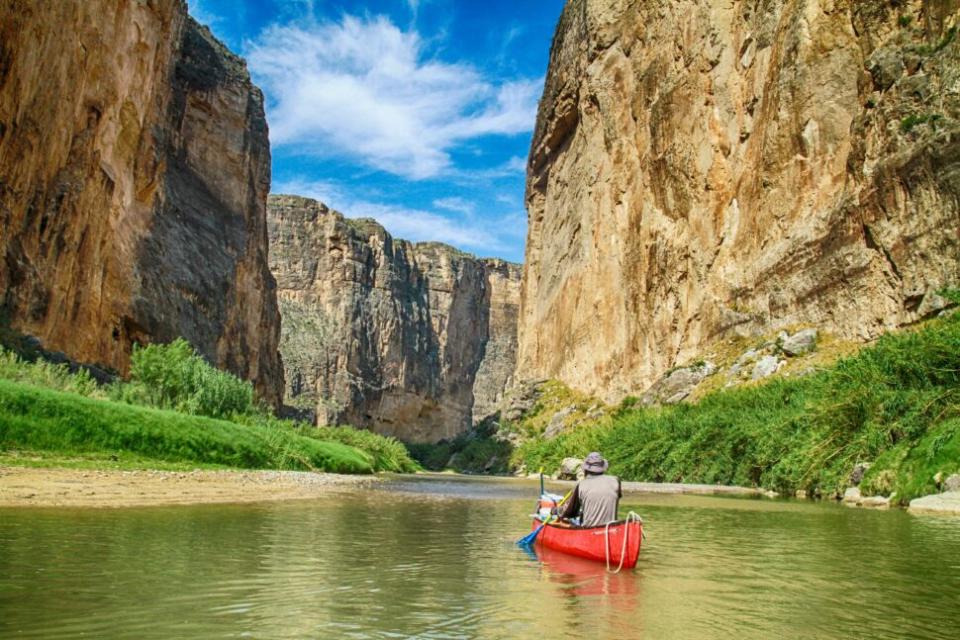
(896, 404)
(39, 419)
(176, 410)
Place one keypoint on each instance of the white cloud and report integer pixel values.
(490, 235)
(328, 193)
(455, 204)
(201, 15)
(419, 226)
(365, 89)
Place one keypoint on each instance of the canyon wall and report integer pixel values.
(134, 172)
(701, 169)
(415, 341)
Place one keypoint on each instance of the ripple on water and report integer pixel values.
(438, 560)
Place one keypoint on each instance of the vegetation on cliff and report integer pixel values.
(895, 403)
(175, 409)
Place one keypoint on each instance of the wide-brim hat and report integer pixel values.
(595, 463)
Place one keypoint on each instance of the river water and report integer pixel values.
(435, 557)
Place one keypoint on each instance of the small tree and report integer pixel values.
(175, 376)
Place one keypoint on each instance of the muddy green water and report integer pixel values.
(434, 558)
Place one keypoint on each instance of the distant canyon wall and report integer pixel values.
(701, 169)
(134, 172)
(415, 341)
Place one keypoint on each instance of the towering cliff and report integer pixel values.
(700, 168)
(134, 172)
(410, 340)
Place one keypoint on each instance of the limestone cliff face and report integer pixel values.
(134, 172)
(410, 340)
(700, 168)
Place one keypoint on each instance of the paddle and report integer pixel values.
(531, 537)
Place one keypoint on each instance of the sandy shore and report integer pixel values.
(28, 487)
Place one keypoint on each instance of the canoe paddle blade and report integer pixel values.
(531, 537)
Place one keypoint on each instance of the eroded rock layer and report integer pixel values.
(700, 168)
(134, 172)
(411, 340)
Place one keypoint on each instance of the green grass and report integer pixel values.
(119, 461)
(176, 409)
(465, 454)
(386, 454)
(896, 403)
(39, 419)
(911, 122)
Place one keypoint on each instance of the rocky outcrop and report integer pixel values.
(134, 171)
(701, 169)
(411, 340)
(942, 503)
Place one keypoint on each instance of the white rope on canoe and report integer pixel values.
(631, 517)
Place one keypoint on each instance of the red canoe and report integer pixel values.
(593, 543)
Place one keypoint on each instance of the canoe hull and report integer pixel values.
(592, 543)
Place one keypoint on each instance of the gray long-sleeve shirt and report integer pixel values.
(596, 499)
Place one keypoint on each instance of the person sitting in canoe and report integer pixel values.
(595, 498)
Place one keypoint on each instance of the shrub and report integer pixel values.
(174, 376)
(42, 419)
(45, 374)
(387, 454)
(896, 403)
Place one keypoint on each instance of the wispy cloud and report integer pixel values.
(493, 234)
(201, 14)
(455, 204)
(365, 89)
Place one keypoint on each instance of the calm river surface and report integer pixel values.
(434, 558)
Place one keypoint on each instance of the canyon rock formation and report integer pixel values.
(134, 172)
(410, 340)
(701, 169)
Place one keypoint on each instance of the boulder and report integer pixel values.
(943, 503)
(800, 343)
(852, 496)
(876, 502)
(856, 476)
(570, 469)
(678, 384)
(765, 367)
(521, 399)
(558, 423)
(952, 483)
(886, 67)
(932, 303)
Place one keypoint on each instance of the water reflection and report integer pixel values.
(438, 560)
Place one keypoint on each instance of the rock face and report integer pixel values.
(415, 341)
(134, 171)
(701, 168)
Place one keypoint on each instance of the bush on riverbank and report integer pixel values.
(468, 453)
(174, 376)
(186, 389)
(387, 454)
(896, 403)
(48, 420)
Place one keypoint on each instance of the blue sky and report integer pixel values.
(415, 112)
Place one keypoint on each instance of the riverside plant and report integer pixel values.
(896, 403)
(175, 409)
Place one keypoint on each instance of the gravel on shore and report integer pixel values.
(32, 487)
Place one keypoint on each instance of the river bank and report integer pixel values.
(106, 488)
(37, 487)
